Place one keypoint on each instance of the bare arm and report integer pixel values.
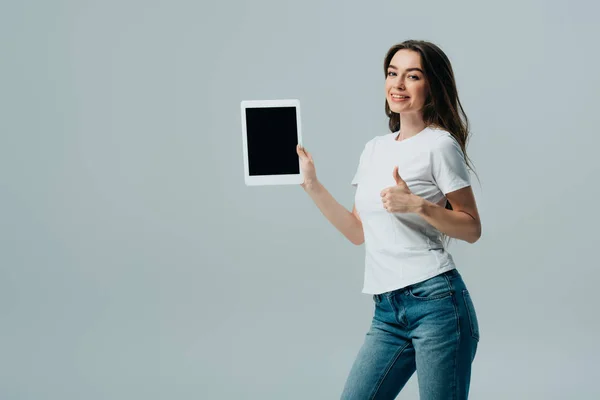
(348, 223)
(462, 222)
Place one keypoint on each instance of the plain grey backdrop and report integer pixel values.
(135, 263)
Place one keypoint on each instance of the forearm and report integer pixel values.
(338, 215)
(456, 224)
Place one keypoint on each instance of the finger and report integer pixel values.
(305, 152)
(397, 177)
(308, 155)
(301, 152)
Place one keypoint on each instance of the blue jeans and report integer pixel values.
(429, 327)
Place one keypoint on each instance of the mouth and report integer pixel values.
(398, 97)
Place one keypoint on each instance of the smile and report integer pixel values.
(396, 97)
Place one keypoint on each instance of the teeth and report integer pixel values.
(399, 97)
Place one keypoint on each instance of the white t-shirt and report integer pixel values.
(403, 248)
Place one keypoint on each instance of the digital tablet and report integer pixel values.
(271, 130)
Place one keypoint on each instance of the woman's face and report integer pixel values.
(405, 85)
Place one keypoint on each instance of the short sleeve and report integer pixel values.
(361, 166)
(448, 166)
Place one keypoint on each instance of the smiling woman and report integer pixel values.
(405, 85)
(426, 74)
(413, 190)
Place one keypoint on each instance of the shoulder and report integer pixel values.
(378, 140)
(439, 135)
(442, 140)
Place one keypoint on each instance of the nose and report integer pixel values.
(400, 83)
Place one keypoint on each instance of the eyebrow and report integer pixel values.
(408, 70)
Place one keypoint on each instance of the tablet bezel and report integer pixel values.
(262, 180)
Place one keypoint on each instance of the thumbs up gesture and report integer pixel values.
(399, 198)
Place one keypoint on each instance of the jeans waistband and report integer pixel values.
(450, 274)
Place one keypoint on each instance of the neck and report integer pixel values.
(410, 125)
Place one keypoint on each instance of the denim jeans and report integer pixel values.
(429, 327)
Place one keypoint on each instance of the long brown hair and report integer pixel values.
(442, 107)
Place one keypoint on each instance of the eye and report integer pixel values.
(391, 73)
(414, 77)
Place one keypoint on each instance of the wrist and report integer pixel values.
(422, 206)
(311, 186)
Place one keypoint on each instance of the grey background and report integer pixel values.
(135, 263)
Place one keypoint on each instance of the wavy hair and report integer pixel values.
(442, 107)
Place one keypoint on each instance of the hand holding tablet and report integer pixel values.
(307, 165)
(271, 132)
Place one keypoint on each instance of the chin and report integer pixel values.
(398, 110)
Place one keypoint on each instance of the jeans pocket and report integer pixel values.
(434, 288)
(472, 314)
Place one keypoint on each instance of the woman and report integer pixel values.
(413, 191)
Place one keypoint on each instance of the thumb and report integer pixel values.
(397, 177)
(304, 154)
